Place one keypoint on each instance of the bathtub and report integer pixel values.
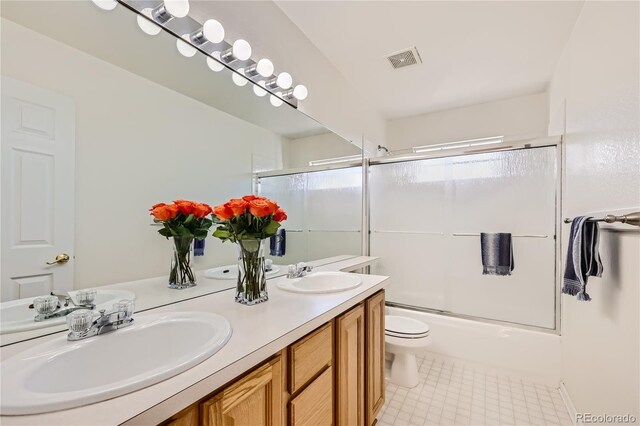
(527, 354)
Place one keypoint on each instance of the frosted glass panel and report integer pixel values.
(409, 196)
(324, 212)
(415, 264)
(334, 200)
(417, 208)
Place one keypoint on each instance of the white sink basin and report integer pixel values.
(321, 282)
(59, 374)
(16, 316)
(230, 272)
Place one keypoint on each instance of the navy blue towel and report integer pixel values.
(278, 243)
(583, 259)
(497, 253)
(198, 247)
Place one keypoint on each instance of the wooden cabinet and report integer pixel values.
(309, 356)
(314, 405)
(374, 356)
(333, 375)
(186, 417)
(256, 399)
(350, 367)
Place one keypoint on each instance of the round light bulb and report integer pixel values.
(146, 25)
(106, 4)
(184, 48)
(238, 78)
(300, 92)
(275, 100)
(284, 80)
(213, 64)
(264, 67)
(177, 8)
(259, 89)
(241, 50)
(213, 31)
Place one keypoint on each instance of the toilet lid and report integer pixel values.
(398, 326)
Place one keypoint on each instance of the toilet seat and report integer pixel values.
(405, 328)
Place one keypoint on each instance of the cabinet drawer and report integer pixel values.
(309, 356)
(314, 405)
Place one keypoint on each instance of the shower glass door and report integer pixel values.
(324, 210)
(426, 217)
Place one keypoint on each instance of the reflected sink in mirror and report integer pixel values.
(16, 316)
(321, 282)
(60, 374)
(230, 272)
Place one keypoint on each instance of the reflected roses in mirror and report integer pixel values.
(248, 221)
(183, 221)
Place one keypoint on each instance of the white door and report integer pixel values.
(37, 190)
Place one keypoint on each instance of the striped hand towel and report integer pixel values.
(497, 253)
(583, 259)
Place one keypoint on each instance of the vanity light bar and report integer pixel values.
(460, 144)
(152, 20)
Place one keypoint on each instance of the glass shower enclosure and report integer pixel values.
(424, 219)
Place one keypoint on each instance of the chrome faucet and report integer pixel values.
(57, 305)
(82, 325)
(298, 270)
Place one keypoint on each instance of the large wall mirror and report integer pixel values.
(100, 121)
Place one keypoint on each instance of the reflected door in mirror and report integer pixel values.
(38, 162)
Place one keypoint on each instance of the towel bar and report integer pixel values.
(629, 219)
(467, 234)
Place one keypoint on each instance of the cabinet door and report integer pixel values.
(350, 368)
(256, 399)
(314, 405)
(186, 417)
(375, 355)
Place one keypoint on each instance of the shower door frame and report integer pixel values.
(510, 145)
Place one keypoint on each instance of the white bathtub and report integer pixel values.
(527, 354)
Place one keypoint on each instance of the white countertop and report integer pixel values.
(153, 292)
(258, 332)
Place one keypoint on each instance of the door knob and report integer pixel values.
(60, 259)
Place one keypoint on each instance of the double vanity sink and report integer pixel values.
(59, 374)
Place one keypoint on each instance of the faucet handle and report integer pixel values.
(45, 304)
(86, 297)
(80, 321)
(125, 306)
(291, 270)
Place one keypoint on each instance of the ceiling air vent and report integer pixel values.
(404, 58)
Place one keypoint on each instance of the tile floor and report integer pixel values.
(453, 393)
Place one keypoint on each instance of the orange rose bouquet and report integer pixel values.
(183, 221)
(183, 218)
(251, 217)
(249, 221)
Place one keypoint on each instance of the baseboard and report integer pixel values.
(568, 403)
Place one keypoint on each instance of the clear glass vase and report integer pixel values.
(181, 275)
(252, 278)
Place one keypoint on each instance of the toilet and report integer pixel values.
(404, 337)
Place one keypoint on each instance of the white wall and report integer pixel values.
(521, 116)
(137, 144)
(597, 83)
(298, 152)
(332, 99)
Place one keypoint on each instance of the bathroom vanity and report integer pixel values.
(334, 374)
(296, 359)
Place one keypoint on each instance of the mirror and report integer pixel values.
(101, 121)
